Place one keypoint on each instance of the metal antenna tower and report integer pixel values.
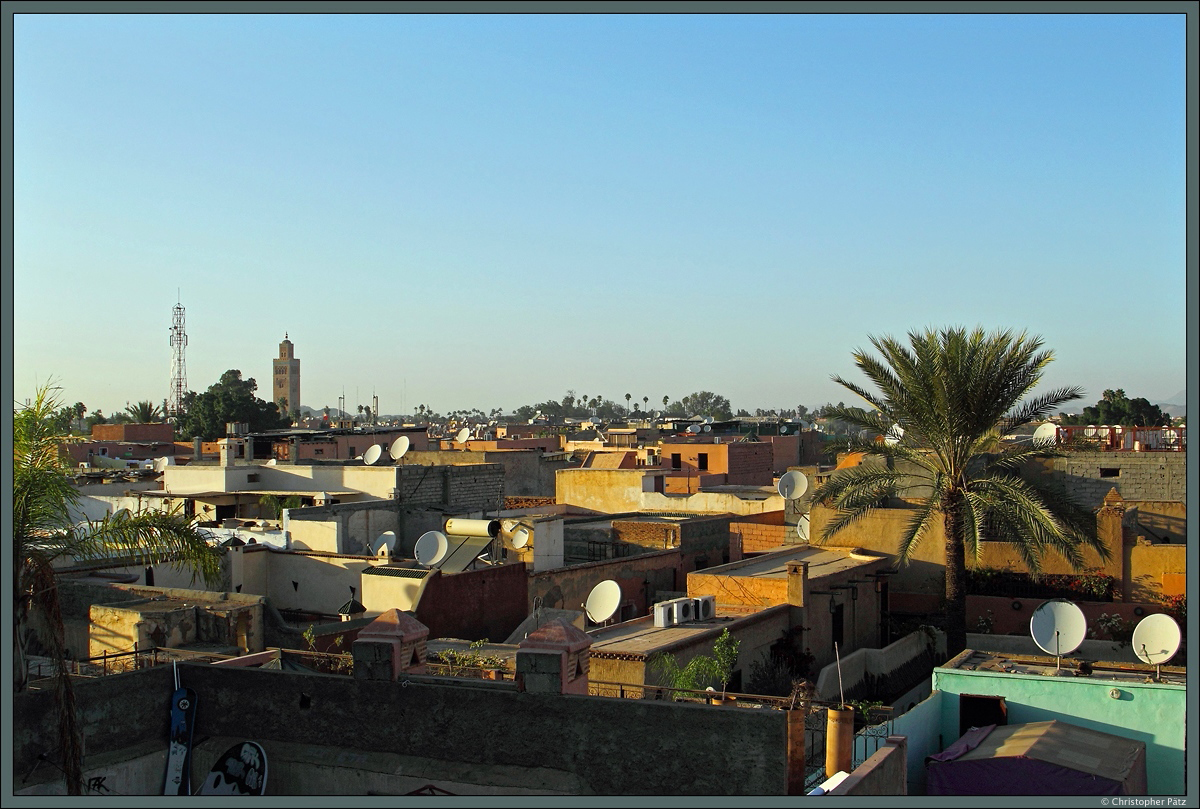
(178, 367)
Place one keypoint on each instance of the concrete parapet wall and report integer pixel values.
(478, 731)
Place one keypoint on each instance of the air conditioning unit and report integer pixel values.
(664, 614)
(706, 608)
(685, 610)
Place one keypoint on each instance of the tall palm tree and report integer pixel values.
(953, 393)
(44, 533)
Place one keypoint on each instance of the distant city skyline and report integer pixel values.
(484, 211)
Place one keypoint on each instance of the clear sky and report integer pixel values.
(484, 211)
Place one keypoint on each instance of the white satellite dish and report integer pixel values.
(1046, 434)
(384, 543)
(399, 447)
(271, 462)
(160, 464)
(708, 428)
(373, 454)
(783, 429)
(603, 601)
(1089, 430)
(520, 537)
(462, 435)
(1156, 639)
(708, 419)
(1058, 627)
(693, 428)
(793, 485)
(432, 547)
(893, 435)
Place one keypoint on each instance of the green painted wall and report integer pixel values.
(1153, 713)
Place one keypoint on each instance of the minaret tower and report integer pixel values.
(286, 386)
(178, 367)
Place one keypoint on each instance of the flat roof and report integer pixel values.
(640, 637)
(822, 561)
(999, 663)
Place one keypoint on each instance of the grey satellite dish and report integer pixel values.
(462, 435)
(693, 428)
(1058, 627)
(121, 514)
(373, 454)
(1156, 639)
(708, 428)
(793, 485)
(384, 543)
(399, 447)
(1046, 434)
(783, 429)
(432, 547)
(603, 601)
(708, 419)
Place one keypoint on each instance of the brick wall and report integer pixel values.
(486, 603)
(750, 464)
(640, 578)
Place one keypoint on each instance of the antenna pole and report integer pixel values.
(178, 366)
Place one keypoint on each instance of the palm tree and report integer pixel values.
(953, 394)
(44, 533)
(144, 412)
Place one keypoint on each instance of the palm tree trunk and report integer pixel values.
(956, 585)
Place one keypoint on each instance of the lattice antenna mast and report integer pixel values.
(178, 364)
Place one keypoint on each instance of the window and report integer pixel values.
(676, 460)
(702, 460)
(318, 452)
(252, 477)
(1109, 473)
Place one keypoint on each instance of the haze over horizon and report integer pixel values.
(488, 210)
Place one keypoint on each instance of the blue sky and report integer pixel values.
(484, 211)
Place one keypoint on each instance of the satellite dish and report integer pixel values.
(708, 419)
(708, 428)
(603, 601)
(271, 462)
(1058, 627)
(385, 543)
(783, 429)
(892, 436)
(121, 514)
(1156, 639)
(1046, 434)
(693, 428)
(399, 447)
(373, 454)
(1090, 430)
(520, 537)
(432, 547)
(462, 435)
(793, 485)
(160, 464)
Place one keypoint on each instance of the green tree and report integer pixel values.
(955, 393)
(707, 403)
(1115, 407)
(231, 399)
(45, 532)
(144, 412)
